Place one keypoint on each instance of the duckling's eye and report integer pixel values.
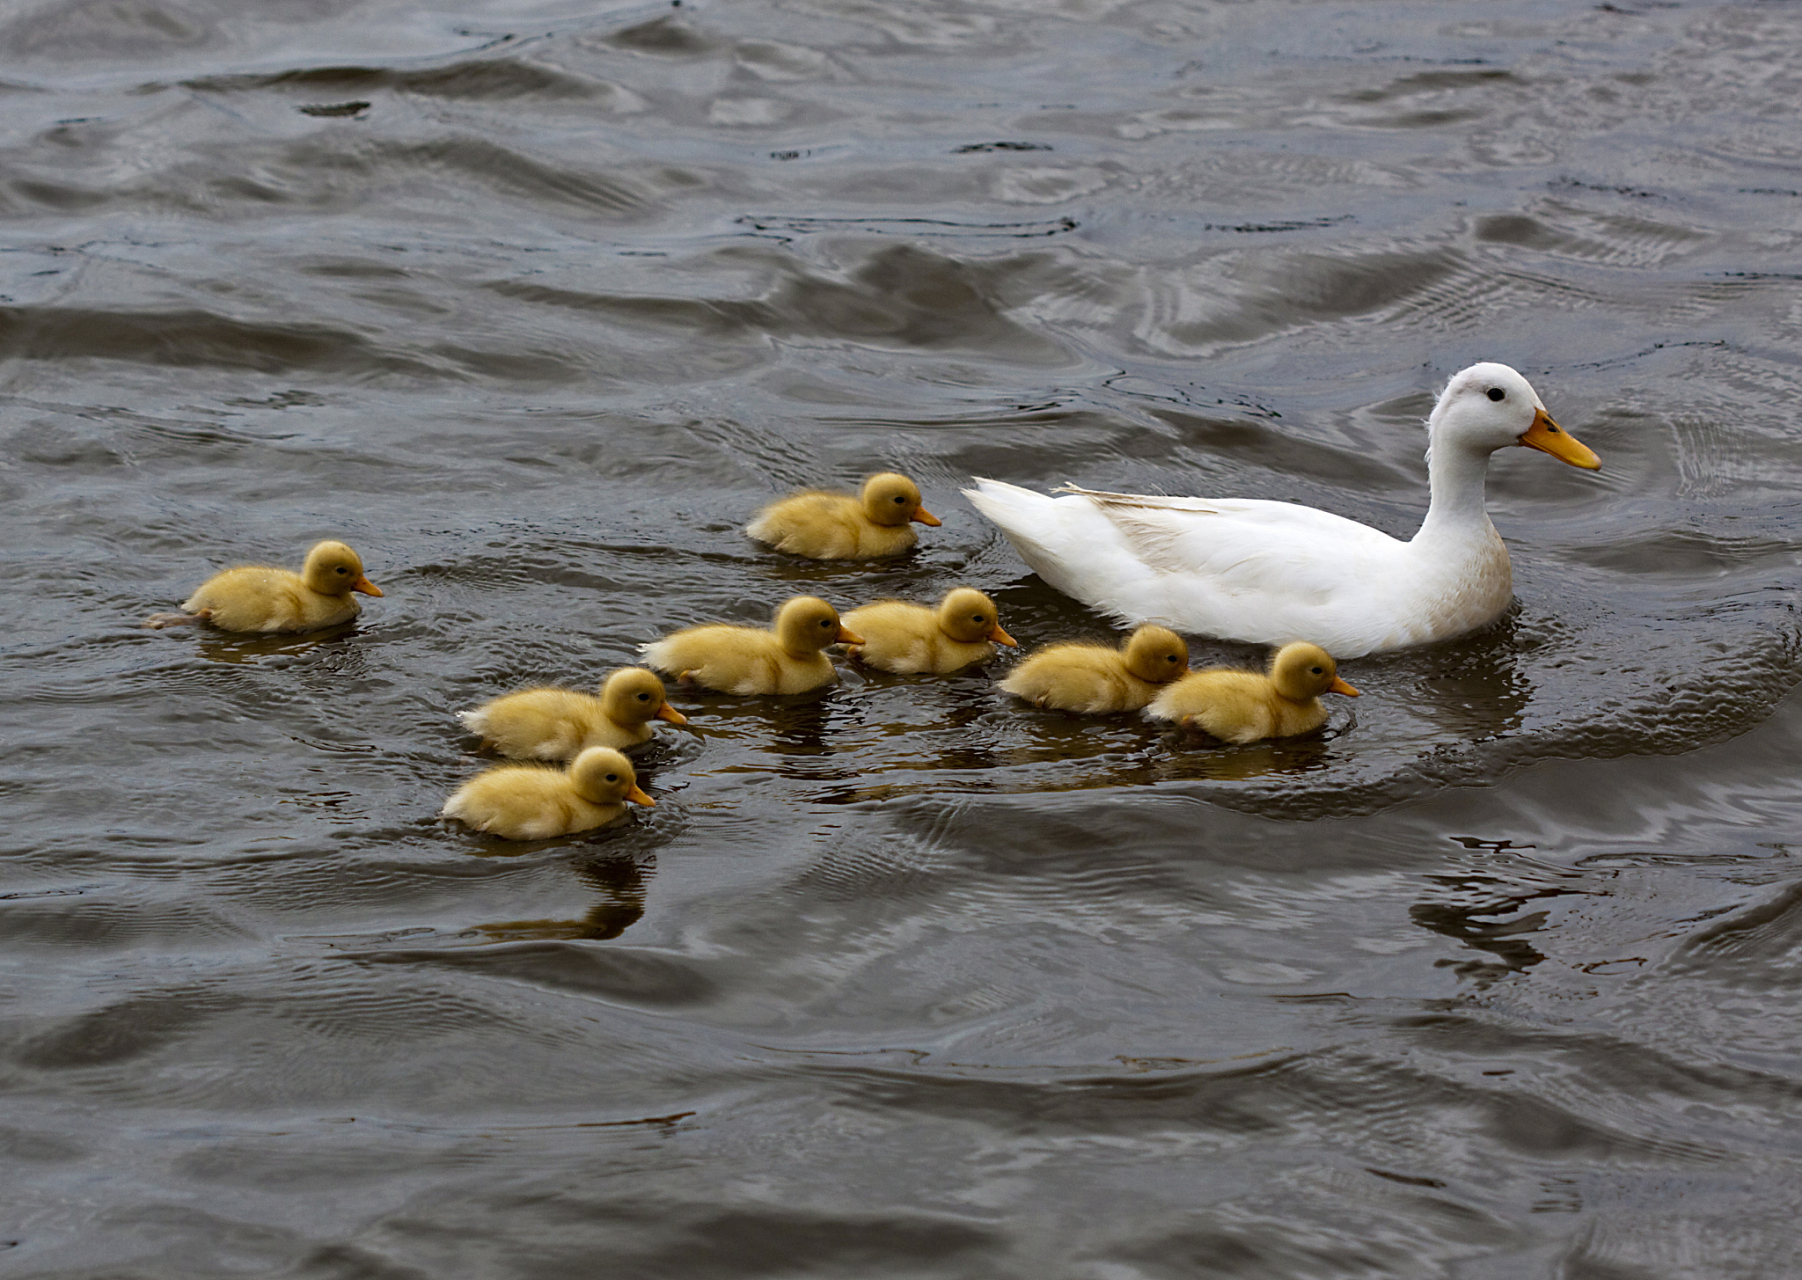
(899, 499)
(613, 777)
(1317, 671)
(644, 697)
(1496, 393)
(340, 569)
(1170, 657)
(825, 622)
(977, 617)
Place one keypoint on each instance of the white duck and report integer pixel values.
(1275, 572)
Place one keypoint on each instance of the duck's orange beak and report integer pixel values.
(667, 712)
(1548, 437)
(637, 796)
(848, 637)
(1339, 686)
(1001, 637)
(367, 587)
(924, 516)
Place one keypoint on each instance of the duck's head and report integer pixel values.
(1157, 655)
(634, 696)
(807, 623)
(892, 499)
(965, 614)
(333, 569)
(1490, 406)
(602, 775)
(1301, 672)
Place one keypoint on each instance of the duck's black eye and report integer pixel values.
(1170, 658)
(644, 697)
(1496, 393)
(341, 569)
(977, 617)
(899, 498)
(613, 777)
(825, 622)
(1317, 671)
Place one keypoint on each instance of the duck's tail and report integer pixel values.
(1024, 516)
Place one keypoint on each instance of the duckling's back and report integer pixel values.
(551, 724)
(265, 598)
(1089, 679)
(741, 660)
(827, 526)
(526, 802)
(1236, 706)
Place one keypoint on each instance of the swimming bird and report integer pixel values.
(265, 598)
(788, 658)
(843, 526)
(558, 724)
(532, 802)
(1094, 679)
(1245, 706)
(910, 638)
(1271, 572)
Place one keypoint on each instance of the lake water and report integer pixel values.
(534, 302)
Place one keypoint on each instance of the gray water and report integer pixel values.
(534, 303)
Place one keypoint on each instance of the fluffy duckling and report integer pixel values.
(559, 724)
(843, 526)
(264, 598)
(1093, 679)
(910, 638)
(530, 802)
(788, 658)
(1243, 706)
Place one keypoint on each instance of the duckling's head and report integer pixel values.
(1157, 655)
(965, 614)
(807, 623)
(333, 569)
(891, 498)
(1302, 672)
(602, 775)
(633, 695)
(1490, 406)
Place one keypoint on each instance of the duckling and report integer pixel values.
(1094, 680)
(911, 638)
(1243, 706)
(531, 802)
(788, 658)
(558, 724)
(264, 598)
(843, 526)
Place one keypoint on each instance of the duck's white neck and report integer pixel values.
(1456, 471)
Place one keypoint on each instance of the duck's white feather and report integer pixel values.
(1275, 572)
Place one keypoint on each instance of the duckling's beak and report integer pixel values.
(1001, 637)
(1339, 686)
(637, 796)
(1548, 437)
(848, 637)
(367, 587)
(667, 712)
(924, 516)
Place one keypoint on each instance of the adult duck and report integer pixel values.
(1275, 572)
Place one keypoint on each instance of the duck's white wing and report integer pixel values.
(1237, 568)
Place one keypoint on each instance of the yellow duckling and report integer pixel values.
(264, 598)
(1243, 706)
(559, 724)
(843, 526)
(530, 802)
(1093, 679)
(788, 658)
(910, 638)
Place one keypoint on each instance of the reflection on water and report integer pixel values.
(620, 885)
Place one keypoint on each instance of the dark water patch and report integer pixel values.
(483, 80)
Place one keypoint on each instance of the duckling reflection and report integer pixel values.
(621, 885)
(239, 648)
